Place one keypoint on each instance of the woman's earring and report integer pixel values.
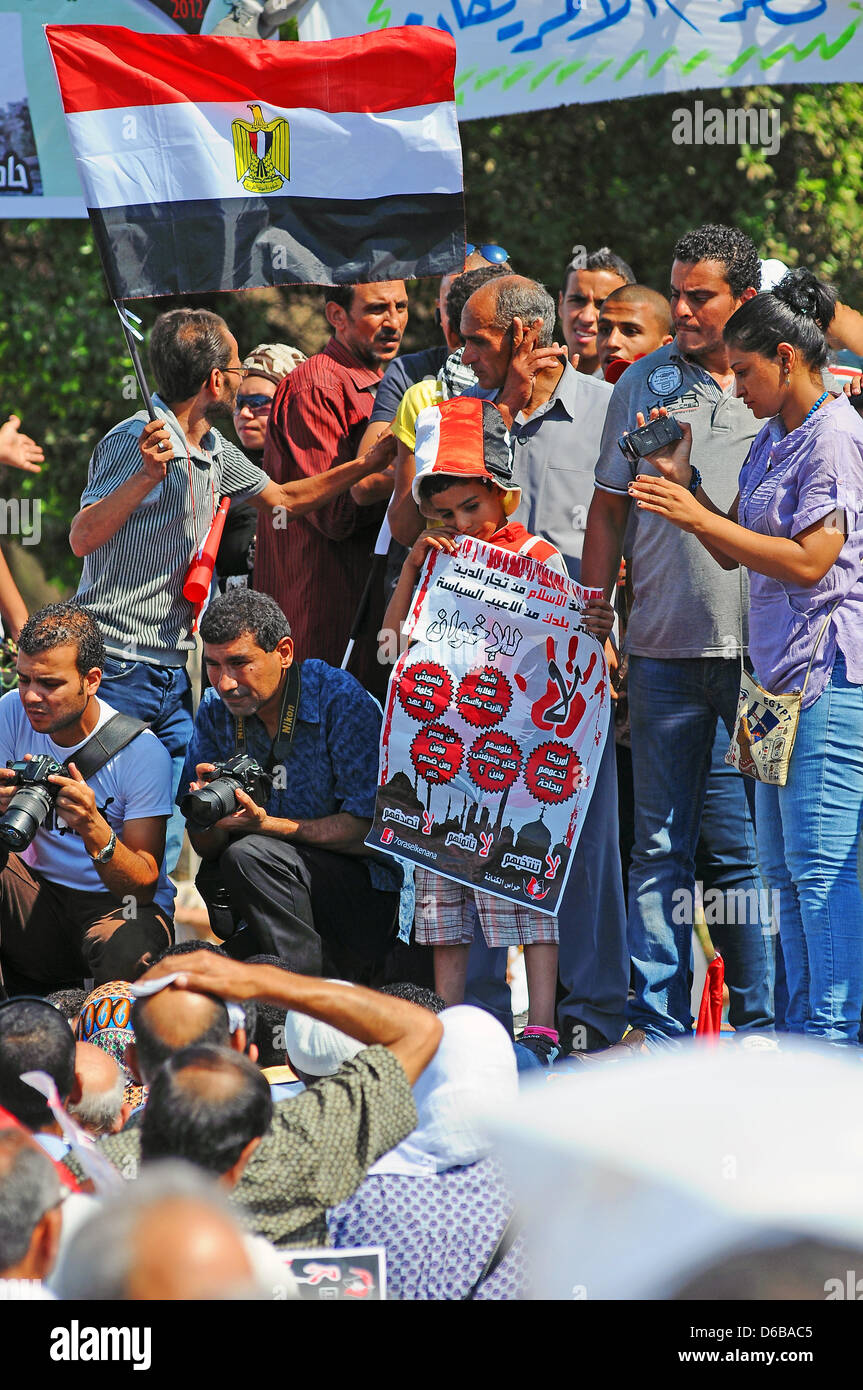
(787, 379)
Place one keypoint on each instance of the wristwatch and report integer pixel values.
(107, 853)
(695, 480)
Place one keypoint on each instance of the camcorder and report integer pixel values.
(648, 438)
(209, 804)
(32, 802)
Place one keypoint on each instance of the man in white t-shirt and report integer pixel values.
(88, 897)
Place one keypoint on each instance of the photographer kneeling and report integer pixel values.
(85, 806)
(281, 827)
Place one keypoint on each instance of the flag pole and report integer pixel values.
(379, 556)
(130, 333)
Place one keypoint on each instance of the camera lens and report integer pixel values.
(206, 806)
(24, 814)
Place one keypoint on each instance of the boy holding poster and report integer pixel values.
(463, 487)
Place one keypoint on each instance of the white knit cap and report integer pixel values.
(318, 1049)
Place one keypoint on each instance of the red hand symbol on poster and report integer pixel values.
(562, 705)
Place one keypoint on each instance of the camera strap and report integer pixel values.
(119, 730)
(287, 722)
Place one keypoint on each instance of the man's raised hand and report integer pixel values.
(156, 450)
(18, 450)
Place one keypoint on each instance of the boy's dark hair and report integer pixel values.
(185, 346)
(185, 948)
(205, 1105)
(440, 482)
(67, 1002)
(34, 1036)
(244, 610)
(416, 994)
(798, 311)
(731, 248)
(270, 1026)
(60, 625)
(463, 286)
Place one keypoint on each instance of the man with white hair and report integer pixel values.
(30, 1215)
(101, 1108)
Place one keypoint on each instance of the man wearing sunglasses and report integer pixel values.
(266, 366)
(151, 497)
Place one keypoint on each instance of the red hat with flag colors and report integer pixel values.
(464, 438)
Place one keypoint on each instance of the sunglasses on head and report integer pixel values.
(253, 403)
(495, 255)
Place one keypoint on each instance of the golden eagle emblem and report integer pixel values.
(262, 152)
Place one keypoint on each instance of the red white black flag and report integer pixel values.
(225, 164)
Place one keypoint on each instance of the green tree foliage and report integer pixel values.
(610, 174)
(538, 183)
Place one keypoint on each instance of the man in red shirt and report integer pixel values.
(316, 569)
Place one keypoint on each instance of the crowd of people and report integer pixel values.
(316, 1071)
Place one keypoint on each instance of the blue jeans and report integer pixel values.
(808, 835)
(593, 958)
(163, 696)
(675, 707)
(593, 961)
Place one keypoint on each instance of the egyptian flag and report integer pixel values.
(226, 164)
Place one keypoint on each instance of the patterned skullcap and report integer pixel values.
(273, 360)
(106, 1021)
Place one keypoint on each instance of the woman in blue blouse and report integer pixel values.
(796, 526)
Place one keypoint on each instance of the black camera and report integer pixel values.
(219, 798)
(648, 438)
(32, 802)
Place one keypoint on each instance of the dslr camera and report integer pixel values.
(648, 438)
(204, 807)
(32, 802)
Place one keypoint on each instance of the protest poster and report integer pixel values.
(524, 55)
(495, 721)
(341, 1276)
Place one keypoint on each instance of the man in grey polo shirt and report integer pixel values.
(556, 438)
(683, 640)
(152, 492)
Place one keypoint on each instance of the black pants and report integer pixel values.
(315, 909)
(52, 936)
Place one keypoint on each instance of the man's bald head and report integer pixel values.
(102, 1084)
(206, 1105)
(186, 1251)
(166, 1022)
